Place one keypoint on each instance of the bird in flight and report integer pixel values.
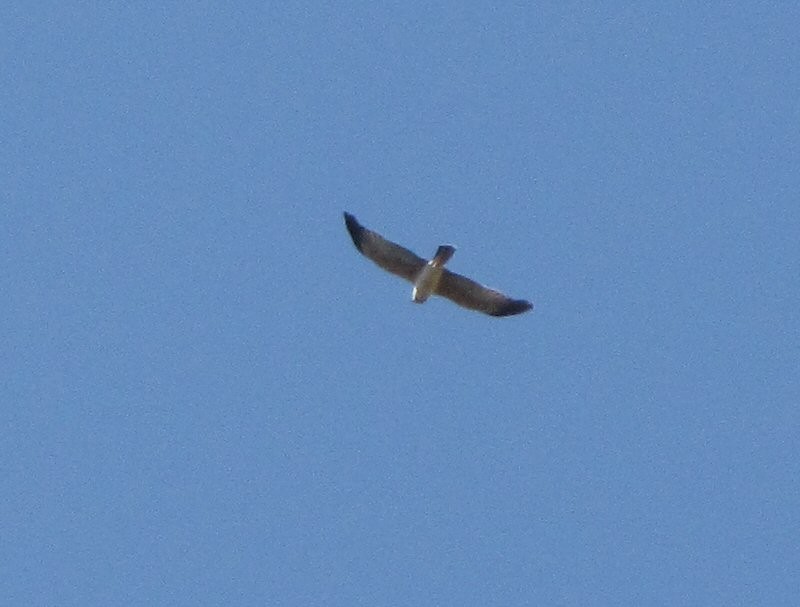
(431, 277)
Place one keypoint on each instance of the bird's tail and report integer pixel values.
(443, 255)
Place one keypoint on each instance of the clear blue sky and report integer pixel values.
(209, 398)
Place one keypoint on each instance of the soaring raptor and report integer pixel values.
(431, 277)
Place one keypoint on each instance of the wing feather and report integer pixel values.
(387, 254)
(470, 294)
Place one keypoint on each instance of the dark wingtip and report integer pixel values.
(355, 229)
(515, 306)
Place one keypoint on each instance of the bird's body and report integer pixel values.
(431, 277)
(431, 273)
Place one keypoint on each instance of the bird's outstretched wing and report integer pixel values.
(470, 294)
(388, 255)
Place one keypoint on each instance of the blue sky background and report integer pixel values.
(208, 396)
